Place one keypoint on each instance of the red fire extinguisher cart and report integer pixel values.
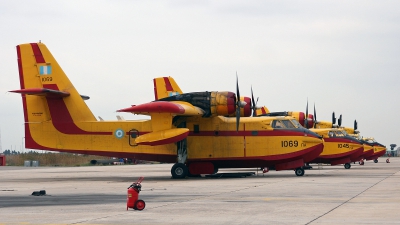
(133, 200)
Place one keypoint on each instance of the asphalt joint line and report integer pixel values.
(351, 198)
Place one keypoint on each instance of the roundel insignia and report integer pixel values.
(119, 133)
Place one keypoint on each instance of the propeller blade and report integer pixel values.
(306, 119)
(340, 120)
(237, 104)
(253, 104)
(355, 125)
(315, 116)
(333, 119)
(237, 89)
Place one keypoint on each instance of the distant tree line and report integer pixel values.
(13, 152)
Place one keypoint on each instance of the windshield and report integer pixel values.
(282, 124)
(339, 133)
(296, 123)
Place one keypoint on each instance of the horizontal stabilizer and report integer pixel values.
(163, 137)
(42, 92)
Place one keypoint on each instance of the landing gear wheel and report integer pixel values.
(299, 172)
(361, 162)
(375, 160)
(347, 165)
(387, 161)
(179, 171)
(139, 205)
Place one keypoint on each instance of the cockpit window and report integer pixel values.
(288, 124)
(296, 123)
(282, 124)
(339, 133)
(277, 124)
(336, 133)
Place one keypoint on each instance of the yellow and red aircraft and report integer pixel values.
(339, 148)
(199, 132)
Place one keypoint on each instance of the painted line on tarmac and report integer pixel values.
(352, 198)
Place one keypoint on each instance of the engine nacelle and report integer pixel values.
(300, 116)
(214, 103)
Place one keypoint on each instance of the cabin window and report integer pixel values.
(254, 133)
(196, 128)
(331, 134)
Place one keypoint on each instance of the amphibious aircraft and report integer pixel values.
(339, 148)
(275, 143)
(198, 138)
(372, 149)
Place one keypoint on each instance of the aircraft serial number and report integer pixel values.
(289, 143)
(343, 146)
(45, 79)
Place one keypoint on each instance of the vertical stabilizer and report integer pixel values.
(165, 87)
(47, 92)
(51, 103)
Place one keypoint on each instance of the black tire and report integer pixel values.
(375, 160)
(347, 165)
(139, 205)
(299, 172)
(179, 171)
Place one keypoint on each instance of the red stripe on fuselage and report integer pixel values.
(168, 85)
(249, 133)
(37, 53)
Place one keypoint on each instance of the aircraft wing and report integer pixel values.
(174, 107)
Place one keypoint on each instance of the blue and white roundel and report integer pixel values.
(119, 133)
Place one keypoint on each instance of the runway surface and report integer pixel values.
(368, 194)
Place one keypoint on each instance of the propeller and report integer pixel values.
(253, 103)
(340, 120)
(239, 104)
(306, 119)
(333, 119)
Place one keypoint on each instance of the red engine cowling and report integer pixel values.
(300, 116)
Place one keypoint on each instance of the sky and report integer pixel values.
(342, 56)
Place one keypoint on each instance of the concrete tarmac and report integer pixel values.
(368, 194)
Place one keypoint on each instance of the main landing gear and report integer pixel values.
(347, 165)
(361, 162)
(299, 172)
(179, 170)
